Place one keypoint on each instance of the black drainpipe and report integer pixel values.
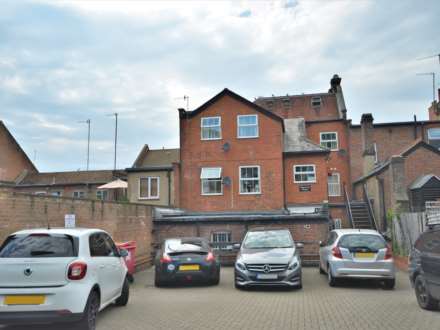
(169, 188)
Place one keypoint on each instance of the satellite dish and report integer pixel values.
(227, 181)
(226, 146)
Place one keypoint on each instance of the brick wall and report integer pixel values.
(300, 106)
(125, 222)
(338, 161)
(264, 151)
(13, 161)
(318, 190)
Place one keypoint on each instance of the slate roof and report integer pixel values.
(422, 180)
(228, 92)
(295, 140)
(71, 178)
(156, 158)
(419, 143)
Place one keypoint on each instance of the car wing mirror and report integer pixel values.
(123, 253)
(299, 245)
(321, 243)
(237, 246)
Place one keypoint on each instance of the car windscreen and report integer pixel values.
(355, 242)
(268, 239)
(186, 245)
(38, 246)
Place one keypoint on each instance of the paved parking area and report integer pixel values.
(316, 306)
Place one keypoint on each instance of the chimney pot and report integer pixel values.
(367, 118)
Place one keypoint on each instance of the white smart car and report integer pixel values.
(60, 275)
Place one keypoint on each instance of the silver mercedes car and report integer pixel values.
(357, 253)
(268, 257)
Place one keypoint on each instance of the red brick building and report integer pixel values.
(294, 161)
(13, 160)
(245, 164)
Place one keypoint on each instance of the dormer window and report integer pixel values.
(269, 104)
(211, 128)
(286, 103)
(316, 101)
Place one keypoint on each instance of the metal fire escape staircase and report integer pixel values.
(360, 212)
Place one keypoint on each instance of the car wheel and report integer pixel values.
(158, 282)
(216, 279)
(321, 271)
(125, 294)
(389, 284)
(424, 298)
(88, 322)
(331, 280)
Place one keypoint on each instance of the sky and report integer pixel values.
(62, 63)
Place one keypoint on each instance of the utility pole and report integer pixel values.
(433, 82)
(88, 140)
(116, 139)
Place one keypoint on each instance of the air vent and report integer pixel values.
(227, 181)
(226, 147)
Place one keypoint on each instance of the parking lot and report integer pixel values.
(316, 306)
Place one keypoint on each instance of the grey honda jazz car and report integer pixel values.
(268, 258)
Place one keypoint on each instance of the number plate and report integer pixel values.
(365, 255)
(186, 268)
(25, 300)
(267, 276)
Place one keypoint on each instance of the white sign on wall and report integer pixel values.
(69, 221)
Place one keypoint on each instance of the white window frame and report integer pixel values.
(431, 130)
(228, 235)
(149, 197)
(208, 126)
(321, 141)
(40, 193)
(338, 185)
(294, 173)
(101, 192)
(79, 193)
(316, 98)
(219, 179)
(256, 123)
(56, 193)
(376, 158)
(250, 179)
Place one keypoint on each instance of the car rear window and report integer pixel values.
(355, 241)
(186, 245)
(38, 246)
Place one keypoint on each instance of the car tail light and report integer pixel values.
(388, 253)
(336, 251)
(165, 259)
(77, 271)
(210, 257)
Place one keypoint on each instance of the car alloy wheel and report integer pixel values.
(423, 297)
(92, 311)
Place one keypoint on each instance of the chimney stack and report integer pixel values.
(434, 109)
(367, 138)
(335, 88)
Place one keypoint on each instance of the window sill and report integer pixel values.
(304, 182)
(219, 194)
(216, 139)
(248, 137)
(149, 198)
(249, 193)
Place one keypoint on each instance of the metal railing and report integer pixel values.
(370, 208)
(348, 207)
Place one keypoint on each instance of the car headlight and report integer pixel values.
(239, 265)
(293, 264)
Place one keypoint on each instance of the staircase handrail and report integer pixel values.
(370, 207)
(348, 207)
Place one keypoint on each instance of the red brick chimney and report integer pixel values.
(434, 109)
(367, 138)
